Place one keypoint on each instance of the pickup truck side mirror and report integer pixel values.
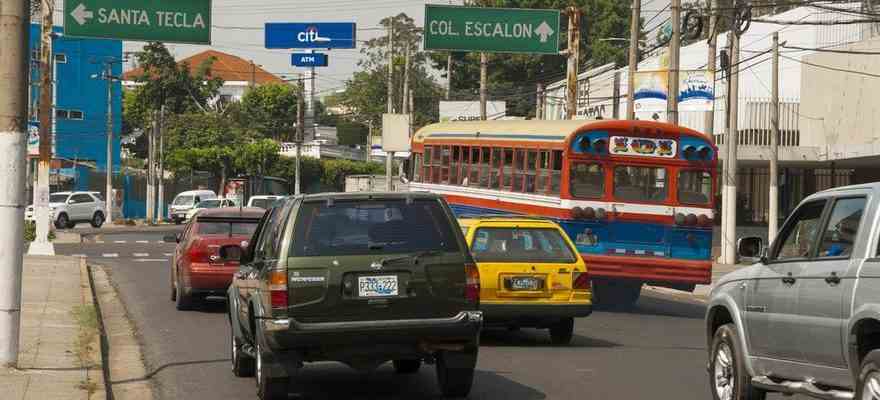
(750, 249)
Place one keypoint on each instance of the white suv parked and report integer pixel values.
(69, 208)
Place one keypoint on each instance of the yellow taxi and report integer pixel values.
(531, 275)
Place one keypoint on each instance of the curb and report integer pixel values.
(102, 332)
(698, 297)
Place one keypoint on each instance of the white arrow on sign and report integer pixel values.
(81, 15)
(544, 31)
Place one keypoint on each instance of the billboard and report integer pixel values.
(696, 90)
(470, 110)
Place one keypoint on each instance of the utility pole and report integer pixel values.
(108, 197)
(729, 229)
(14, 29)
(41, 244)
(390, 107)
(448, 75)
(674, 49)
(709, 124)
(615, 110)
(161, 211)
(484, 82)
(404, 107)
(300, 130)
(773, 224)
(634, 27)
(573, 53)
(539, 102)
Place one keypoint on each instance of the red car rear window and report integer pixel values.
(227, 228)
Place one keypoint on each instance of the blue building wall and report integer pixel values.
(76, 90)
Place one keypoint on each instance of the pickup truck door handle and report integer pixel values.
(789, 280)
(833, 280)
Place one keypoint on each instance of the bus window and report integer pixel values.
(646, 184)
(587, 180)
(507, 172)
(519, 170)
(694, 187)
(417, 168)
(454, 165)
(495, 176)
(435, 165)
(531, 164)
(444, 175)
(427, 165)
(544, 168)
(464, 156)
(474, 179)
(485, 171)
(556, 172)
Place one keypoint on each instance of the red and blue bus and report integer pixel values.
(636, 197)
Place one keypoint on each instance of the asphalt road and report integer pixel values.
(656, 351)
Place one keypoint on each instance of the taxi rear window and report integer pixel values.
(535, 245)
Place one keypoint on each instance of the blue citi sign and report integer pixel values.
(309, 60)
(319, 35)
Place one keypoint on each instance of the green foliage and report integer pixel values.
(256, 158)
(270, 110)
(351, 133)
(323, 175)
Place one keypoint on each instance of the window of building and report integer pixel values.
(75, 114)
(62, 114)
(641, 184)
(61, 58)
(587, 180)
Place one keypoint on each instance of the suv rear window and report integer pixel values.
(372, 227)
(528, 245)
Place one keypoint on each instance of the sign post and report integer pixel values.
(173, 21)
(501, 30)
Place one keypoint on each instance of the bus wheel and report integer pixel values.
(616, 294)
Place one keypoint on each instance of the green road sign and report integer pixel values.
(502, 30)
(177, 21)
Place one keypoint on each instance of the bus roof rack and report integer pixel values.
(511, 216)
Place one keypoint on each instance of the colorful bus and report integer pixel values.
(635, 196)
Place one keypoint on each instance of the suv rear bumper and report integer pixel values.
(463, 328)
(498, 313)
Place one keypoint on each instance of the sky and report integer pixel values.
(238, 30)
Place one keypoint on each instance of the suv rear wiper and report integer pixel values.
(414, 256)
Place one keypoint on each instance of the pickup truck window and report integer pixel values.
(839, 236)
(799, 237)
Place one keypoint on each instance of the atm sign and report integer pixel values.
(309, 60)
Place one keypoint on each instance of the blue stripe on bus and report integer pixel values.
(496, 136)
(625, 238)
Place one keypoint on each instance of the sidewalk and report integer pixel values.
(59, 355)
(701, 292)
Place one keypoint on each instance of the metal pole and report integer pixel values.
(773, 224)
(709, 123)
(161, 213)
(634, 28)
(300, 130)
(108, 197)
(484, 78)
(448, 75)
(14, 29)
(615, 111)
(729, 235)
(405, 100)
(539, 102)
(390, 107)
(574, 45)
(674, 49)
(389, 170)
(41, 244)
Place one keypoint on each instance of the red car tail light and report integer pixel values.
(199, 254)
(278, 289)
(472, 282)
(580, 281)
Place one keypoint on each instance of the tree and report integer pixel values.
(513, 77)
(166, 82)
(270, 110)
(203, 141)
(352, 133)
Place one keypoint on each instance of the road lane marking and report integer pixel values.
(110, 255)
(77, 255)
(145, 260)
(142, 241)
(141, 255)
(119, 241)
(168, 254)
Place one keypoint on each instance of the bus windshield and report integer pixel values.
(640, 184)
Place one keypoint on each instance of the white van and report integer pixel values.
(261, 201)
(185, 201)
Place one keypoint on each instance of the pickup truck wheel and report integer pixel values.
(407, 366)
(868, 385)
(242, 364)
(97, 220)
(268, 388)
(562, 332)
(454, 382)
(728, 377)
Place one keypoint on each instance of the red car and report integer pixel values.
(197, 270)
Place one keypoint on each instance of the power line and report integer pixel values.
(826, 50)
(830, 68)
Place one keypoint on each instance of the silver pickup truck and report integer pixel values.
(805, 319)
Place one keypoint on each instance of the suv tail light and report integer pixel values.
(278, 289)
(580, 281)
(472, 282)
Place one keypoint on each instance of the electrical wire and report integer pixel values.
(830, 68)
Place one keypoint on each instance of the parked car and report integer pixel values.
(185, 201)
(360, 279)
(67, 209)
(197, 270)
(210, 203)
(531, 275)
(805, 319)
(263, 202)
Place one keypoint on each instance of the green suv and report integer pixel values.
(361, 279)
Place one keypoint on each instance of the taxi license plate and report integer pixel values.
(525, 283)
(377, 286)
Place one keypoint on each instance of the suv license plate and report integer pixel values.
(377, 286)
(525, 283)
